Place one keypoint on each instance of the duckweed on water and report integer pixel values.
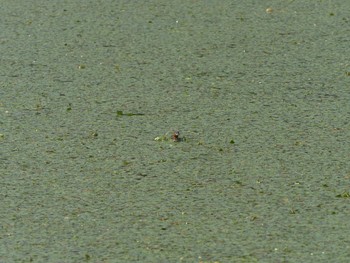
(344, 195)
(121, 113)
(69, 108)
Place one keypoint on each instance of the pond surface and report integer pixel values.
(258, 90)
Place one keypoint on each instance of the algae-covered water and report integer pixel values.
(259, 91)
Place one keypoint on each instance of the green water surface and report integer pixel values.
(261, 100)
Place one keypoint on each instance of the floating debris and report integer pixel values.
(175, 137)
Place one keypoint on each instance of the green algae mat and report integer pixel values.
(94, 93)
